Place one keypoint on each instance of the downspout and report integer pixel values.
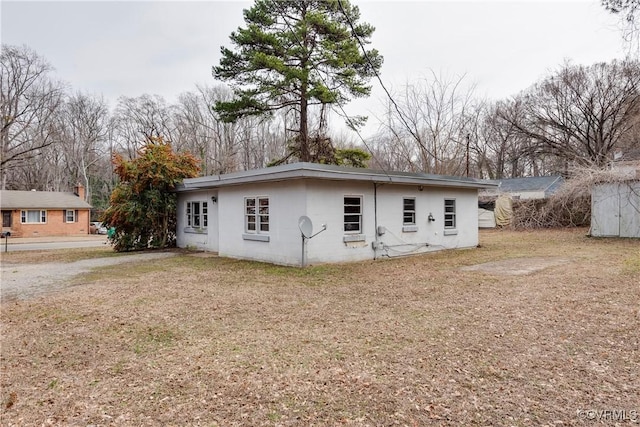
(375, 219)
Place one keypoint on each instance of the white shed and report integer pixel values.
(615, 209)
(365, 214)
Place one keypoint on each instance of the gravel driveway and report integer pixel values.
(23, 281)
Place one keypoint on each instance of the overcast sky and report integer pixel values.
(118, 48)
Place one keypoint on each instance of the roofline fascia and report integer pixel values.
(241, 178)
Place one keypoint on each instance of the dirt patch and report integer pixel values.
(22, 281)
(517, 266)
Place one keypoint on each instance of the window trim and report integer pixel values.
(411, 212)
(24, 216)
(197, 211)
(257, 214)
(450, 216)
(74, 216)
(359, 214)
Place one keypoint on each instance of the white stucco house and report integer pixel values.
(358, 214)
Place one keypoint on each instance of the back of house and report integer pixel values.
(356, 214)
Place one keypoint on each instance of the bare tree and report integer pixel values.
(629, 12)
(432, 117)
(580, 114)
(84, 125)
(29, 99)
(505, 152)
(200, 131)
(140, 120)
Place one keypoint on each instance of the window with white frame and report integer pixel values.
(197, 214)
(70, 216)
(256, 215)
(33, 217)
(353, 214)
(449, 213)
(409, 211)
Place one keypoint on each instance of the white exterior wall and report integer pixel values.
(326, 206)
(323, 202)
(286, 205)
(430, 235)
(202, 238)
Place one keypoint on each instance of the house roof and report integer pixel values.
(330, 172)
(548, 184)
(10, 199)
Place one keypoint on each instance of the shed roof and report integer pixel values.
(548, 184)
(10, 199)
(330, 172)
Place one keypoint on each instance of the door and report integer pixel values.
(605, 210)
(629, 209)
(6, 219)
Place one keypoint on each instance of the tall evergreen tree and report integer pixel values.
(296, 54)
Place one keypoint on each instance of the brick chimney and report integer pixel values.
(79, 191)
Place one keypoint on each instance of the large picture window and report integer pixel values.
(197, 214)
(256, 215)
(353, 214)
(449, 213)
(33, 217)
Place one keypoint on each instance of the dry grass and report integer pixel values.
(412, 341)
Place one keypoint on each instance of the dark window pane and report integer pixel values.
(410, 204)
(351, 226)
(352, 201)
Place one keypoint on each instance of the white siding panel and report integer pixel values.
(605, 210)
(630, 209)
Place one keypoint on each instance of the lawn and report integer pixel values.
(195, 340)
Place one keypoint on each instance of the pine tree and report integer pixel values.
(294, 55)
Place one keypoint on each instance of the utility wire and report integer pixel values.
(344, 113)
(393, 102)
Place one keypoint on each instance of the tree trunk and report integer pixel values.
(304, 130)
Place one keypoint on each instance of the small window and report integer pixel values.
(197, 214)
(33, 217)
(353, 214)
(256, 215)
(449, 213)
(70, 216)
(409, 211)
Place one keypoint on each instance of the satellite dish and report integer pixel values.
(306, 226)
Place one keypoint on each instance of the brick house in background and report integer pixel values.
(44, 213)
